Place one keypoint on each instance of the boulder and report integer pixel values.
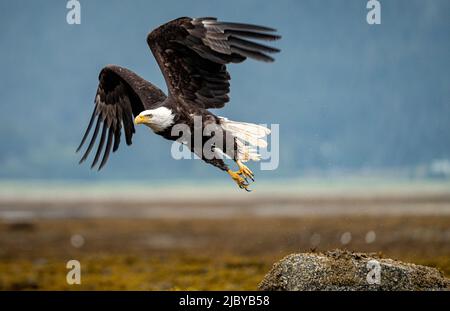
(347, 271)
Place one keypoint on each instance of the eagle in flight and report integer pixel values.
(192, 54)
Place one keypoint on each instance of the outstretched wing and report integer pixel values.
(193, 53)
(120, 95)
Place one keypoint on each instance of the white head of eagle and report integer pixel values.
(157, 119)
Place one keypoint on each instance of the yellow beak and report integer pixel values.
(141, 119)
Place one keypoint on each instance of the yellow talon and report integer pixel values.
(240, 176)
(244, 170)
(240, 181)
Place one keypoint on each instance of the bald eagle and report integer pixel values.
(192, 54)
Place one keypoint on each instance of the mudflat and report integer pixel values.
(204, 244)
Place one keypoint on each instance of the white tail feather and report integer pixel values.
(246, 152)
(250, 133)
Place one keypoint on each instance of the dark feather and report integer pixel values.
(192, 54)
(91, 144)
(241, 26)
(255, 35)
(86, 133)
(256, 55)
(252, 46)
(116, 140)
(100, 145)
(107, 148)
(121, 95)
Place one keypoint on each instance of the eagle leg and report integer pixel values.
(240, 176)
(240, 181)
(245, 171)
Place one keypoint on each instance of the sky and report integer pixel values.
(348, 96)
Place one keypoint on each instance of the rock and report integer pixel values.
(344, 270)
